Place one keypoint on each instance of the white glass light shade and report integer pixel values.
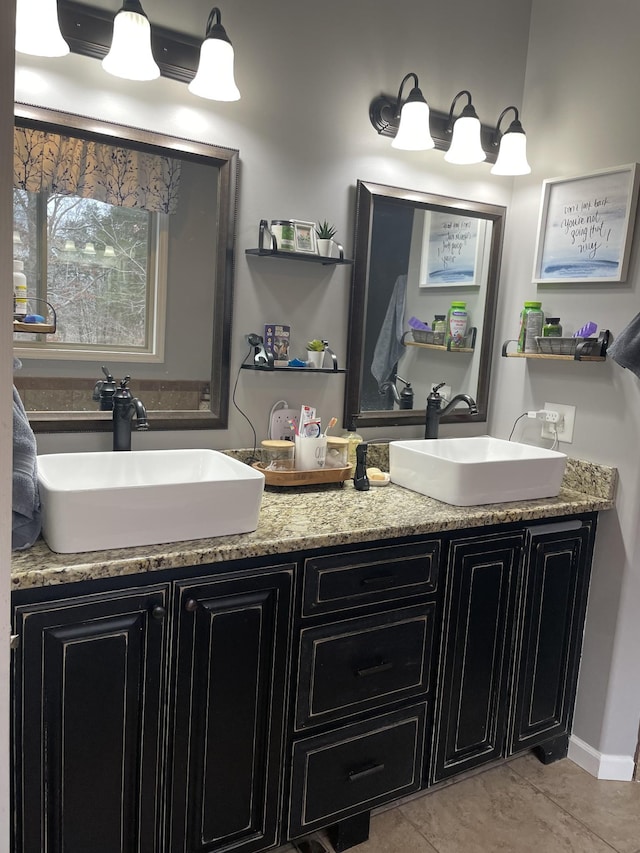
(465, 147)
(414, 133)
(69, 245)
(214, 79)
(512, 156)
(37, 29)
(130, 53)
(89, 249)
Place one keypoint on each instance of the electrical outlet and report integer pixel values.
(279, 427)
(565, 425)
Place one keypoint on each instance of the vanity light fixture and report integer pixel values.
(512, 156)
(130, 55)
(214, 78)
(95, 33)
(413, 131)
(466, 146)
(37, 29)
(464, 140)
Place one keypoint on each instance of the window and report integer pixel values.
(101, 266)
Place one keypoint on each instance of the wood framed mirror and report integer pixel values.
(186, 386)
(415, 253)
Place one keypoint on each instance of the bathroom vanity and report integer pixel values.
(234, 693)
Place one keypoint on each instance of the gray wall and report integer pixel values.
(580, 109)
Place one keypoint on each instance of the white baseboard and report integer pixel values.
(617, 768)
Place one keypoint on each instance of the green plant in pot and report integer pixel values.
(315, 353)
(325, 233)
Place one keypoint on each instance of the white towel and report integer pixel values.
(626, 347)
(26, 522)
(389, 346)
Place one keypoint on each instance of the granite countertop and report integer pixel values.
(313, 517)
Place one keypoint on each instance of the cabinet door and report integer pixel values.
(470, 721)
(229, 700)
(551, 619)
(88, 724)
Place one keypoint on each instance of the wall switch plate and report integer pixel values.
(280, 428)
(565, 428)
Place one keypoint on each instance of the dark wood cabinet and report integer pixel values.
(231, 708)
(232, 639)
(89, 679)
(512, 631)
(549, 638)
(474, 659)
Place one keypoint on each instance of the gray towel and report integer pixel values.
(626, 347)
(26, 500)
(389, 346)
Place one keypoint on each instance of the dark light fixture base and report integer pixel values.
(88, 31)
(382, 114)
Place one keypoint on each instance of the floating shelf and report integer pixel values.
(293, 369)
(46, 328)
(298, 256)
(589, 349)
(438, 347)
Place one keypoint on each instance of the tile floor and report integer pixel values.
(519, 807)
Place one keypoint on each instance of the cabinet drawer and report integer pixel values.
(355, 769)
(363, 663)
(357, 578)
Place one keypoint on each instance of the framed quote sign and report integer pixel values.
(586, 227)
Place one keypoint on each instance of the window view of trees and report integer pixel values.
(93, 262)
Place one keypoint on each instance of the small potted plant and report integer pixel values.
(325, 233)
(315, 353)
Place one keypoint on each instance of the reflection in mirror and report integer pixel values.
(130, 238)
(415, 254)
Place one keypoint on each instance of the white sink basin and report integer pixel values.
(478, 470)
(92, 501)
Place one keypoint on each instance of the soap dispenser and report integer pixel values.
(360, 479)
(104, 389)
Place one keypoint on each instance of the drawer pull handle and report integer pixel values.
(355, 775)
(381, 581)
(383, 666)
(191, 605)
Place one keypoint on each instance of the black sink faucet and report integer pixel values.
(435, 410)
(125, 406)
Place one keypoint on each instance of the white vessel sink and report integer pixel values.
(478, 470)
(92, 501)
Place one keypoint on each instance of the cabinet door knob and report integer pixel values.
(158, 611)
(191, 605)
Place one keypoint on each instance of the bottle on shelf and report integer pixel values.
(531, 320)
(19, 291)
(439, 328)
(457, 320)
(552, 328)
(354, 439)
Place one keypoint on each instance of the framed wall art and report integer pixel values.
(452, 250)
(586, 226)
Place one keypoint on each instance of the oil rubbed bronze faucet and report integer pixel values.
(125, 406)
(435, 411)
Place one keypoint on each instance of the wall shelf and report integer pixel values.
(48, 327)
(298, 256)
(309, 370)
(587, 349)
(438, 347)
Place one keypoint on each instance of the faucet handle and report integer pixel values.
(436, 388)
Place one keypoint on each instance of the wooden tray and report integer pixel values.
(304, 478)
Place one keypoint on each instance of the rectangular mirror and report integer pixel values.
(139, 268)
(416, 253)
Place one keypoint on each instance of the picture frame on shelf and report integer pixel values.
(585, 227)
(305, 237)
